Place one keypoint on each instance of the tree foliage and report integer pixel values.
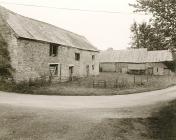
(5, 67)
(163, 18)
(147, 36)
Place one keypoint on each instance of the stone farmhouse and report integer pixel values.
(137, 61)
(37, 48)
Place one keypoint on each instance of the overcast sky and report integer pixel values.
(103, 30)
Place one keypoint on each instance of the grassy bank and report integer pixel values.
(116, 84)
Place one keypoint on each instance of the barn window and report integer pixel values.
(77, 56)
(93, 67)
(93, 57)
(53, 69)
(53, 50)
(157, 69)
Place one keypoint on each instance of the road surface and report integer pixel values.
(104, 104)
(39, 117)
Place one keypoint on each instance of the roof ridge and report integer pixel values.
(39, 21)
(40, 30)
(136, 56)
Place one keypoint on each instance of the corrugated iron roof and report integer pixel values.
(131, 56)
(36, 30)
(135, 56)
(159, 56)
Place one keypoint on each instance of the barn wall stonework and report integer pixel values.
(34, 60)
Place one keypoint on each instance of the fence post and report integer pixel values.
(134, 79)
(147, 78)
(105, 84)
(116, 84)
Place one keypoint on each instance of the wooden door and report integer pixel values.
(87, 70)
(71, 73)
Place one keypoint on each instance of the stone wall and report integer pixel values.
(34, 60)
(30, 59)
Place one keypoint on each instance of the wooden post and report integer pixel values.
(105, 84)
(134, 79)
(147, 77)
(116, 84)
(60, 72)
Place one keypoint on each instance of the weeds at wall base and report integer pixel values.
(87, 86)
(24, 86)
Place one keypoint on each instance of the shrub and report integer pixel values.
(5, 66)
(24, 86)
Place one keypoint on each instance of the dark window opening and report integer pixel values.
(93, 57)
(53, 69)
(77, 56)
(157, 69)
(93, 67)
(71, 73)
(53, 50)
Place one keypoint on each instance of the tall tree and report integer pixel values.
(164, 17)
(147, 36)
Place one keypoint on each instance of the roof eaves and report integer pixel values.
(19, 37)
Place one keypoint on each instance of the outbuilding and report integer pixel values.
(137, 61)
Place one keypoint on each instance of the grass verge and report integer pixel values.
(84, 87)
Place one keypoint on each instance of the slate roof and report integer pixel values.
(131, 56)
(135, 56)
(159, 56)
(36, 30)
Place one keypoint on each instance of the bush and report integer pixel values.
(5, 66)
(24, 86)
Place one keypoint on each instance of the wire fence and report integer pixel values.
(125, 82)
(102, 81)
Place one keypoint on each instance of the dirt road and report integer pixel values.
(133, 105)
(78, 102)
(79, 118)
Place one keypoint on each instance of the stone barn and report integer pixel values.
(123, 61)
(39, 49)
(137, 61)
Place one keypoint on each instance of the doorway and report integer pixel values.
(71, 73)
(87, 70)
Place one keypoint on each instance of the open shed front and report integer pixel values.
(107, 67)
(136, 68)
(158, 69)
(132, 68)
